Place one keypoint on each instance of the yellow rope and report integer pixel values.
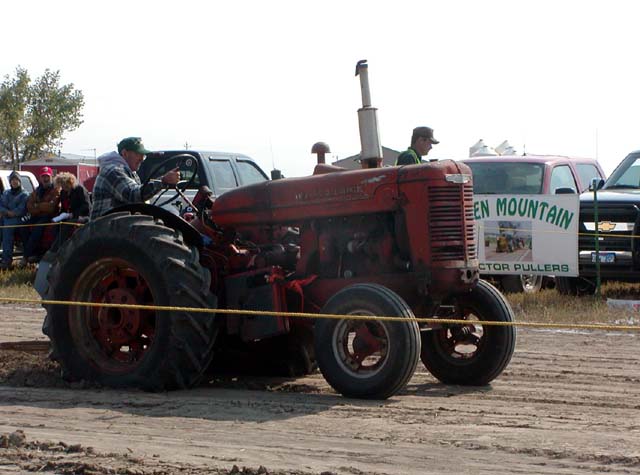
(40, 225)
(602, 234)
(574, 326)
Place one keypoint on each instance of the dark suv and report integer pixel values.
(530, 175)
(618, 224)
(218, 170)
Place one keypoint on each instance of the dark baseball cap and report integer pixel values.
(134, 144)
(426, 132)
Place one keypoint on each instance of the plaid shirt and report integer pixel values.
(118, 185)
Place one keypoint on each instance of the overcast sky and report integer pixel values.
(270, 78)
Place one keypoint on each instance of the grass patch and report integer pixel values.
(18, 283)
(549, 306)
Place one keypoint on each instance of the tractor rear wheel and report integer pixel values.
(130, 259)
(472, 354)
(367, 359)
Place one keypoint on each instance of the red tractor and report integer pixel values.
(395, 241)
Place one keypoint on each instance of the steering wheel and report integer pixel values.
(190, 163)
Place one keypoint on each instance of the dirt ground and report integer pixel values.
(569, 402)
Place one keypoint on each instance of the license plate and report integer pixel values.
(605, 257)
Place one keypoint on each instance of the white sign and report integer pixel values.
(527, 234)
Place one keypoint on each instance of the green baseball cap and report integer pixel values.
(426, 132)
(133, 144)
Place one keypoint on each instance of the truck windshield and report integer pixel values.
(508, 177)
(627, 175)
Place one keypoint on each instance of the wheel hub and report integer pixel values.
(118, 325)
(363, 347)
(115, 339)
(461, 341)
(365, 343)
(464, 335)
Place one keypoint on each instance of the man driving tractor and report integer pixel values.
(119, 184)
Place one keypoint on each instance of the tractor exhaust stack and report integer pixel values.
(371, 152)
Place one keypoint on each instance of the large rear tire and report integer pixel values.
(472, 354)
(367, 359)
(132, 259)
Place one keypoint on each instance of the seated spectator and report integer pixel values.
(13, 206)
(42, 205)
(75, 206)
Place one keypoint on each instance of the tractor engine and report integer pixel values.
(347, 247)
(393, 226)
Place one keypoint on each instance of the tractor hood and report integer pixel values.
(329, 192)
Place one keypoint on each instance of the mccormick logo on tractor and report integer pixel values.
(330, 194)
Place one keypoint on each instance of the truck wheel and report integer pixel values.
(472, 354)
(130, 259)
(575, 286)
(527, 283)
(367, 359)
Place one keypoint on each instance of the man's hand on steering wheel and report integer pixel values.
(172, 177)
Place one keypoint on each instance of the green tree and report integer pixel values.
(34, 116)
(14, 93)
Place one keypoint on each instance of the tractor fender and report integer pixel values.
(190, 235)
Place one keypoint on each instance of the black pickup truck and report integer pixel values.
(618, 201)
(220, 171)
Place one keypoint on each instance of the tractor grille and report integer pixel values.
(451, 223)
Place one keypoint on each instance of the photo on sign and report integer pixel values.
(508, 241)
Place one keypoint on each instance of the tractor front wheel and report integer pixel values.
(471, 354)
(365, 358)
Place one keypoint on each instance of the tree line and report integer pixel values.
(35, 115)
